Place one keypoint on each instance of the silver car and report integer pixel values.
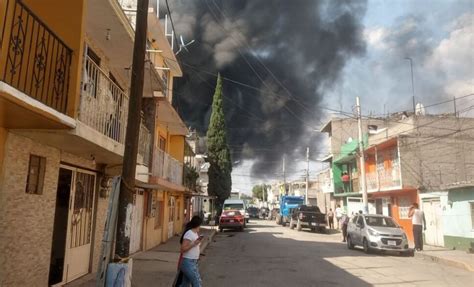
(376, 232)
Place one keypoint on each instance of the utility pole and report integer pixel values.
(307, 177)
(412, 83)
(362, 159)
(127, 183)
(284, 175)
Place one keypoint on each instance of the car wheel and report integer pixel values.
(291, 224)
(350, 245)
(221, 229)
(298, 226)
(366, 246)
(241, 229)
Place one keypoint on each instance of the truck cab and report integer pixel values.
(287, 204)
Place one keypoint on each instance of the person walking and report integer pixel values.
(338, 216)
(190, 250)
(344, 222)
(418, 221)
(331, 219)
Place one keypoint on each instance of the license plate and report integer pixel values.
(392, 243)
(231, 220)
(313, 223)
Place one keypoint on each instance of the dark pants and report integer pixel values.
(331, 222)
(344, 232)
(418, 235)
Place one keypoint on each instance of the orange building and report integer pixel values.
(385, 185)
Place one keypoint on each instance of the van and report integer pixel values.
(236, 204)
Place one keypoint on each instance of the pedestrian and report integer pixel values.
(418, 221)
(344, 222)
(338, 216)
(190, 250)
(331, 219)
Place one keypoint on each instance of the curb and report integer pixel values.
(445, 261)
(210, 238)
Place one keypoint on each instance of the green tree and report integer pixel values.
(257, 191)
(220, 181)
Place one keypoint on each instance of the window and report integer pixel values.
(158, 214)
(404, 204)
(162, 143)
(472, 214)
(36, 171)
(171, 208)
(178, 206)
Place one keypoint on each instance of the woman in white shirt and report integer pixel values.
(190, 241)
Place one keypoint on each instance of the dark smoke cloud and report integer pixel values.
(305, 44)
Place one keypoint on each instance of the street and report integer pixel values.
(266, 254)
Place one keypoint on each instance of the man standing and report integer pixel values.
(338, 216)
(418, 221)
(331, 219)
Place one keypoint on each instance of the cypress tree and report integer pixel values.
(220, 181)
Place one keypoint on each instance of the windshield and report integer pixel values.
(233, 206)
(377, 221)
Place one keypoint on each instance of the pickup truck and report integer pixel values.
(287, 204)
(307, 216)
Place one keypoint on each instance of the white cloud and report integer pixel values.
(375, 37)
(454, 57)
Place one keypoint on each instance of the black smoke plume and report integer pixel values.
(290, 51)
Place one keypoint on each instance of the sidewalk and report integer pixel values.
(155, 267)
(455, 258)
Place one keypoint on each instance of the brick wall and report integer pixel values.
(26, 220)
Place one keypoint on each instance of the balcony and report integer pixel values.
(167, 168)
(35, 68)
(383, 161)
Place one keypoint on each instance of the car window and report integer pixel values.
(233, 206)
(231, 213)
(309, 208)
(380, 221)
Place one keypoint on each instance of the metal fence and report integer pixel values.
(167, 167)
(37, 61)
(104, 105)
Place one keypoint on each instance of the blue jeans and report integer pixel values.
(190, 270)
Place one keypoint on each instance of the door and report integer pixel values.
(434, 222)
(137, 222)
(171, 215)
(58, 248)
(80, 218)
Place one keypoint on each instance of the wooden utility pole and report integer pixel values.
(307, 177)
(127, 183)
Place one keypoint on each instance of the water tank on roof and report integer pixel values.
(420, 109)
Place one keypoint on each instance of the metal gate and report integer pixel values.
(434, 222)
(137, 222)
(80, 218)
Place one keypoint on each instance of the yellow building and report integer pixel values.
(64, 88)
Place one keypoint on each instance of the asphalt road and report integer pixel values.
(270, 255)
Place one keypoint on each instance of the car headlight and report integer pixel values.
(373, 232)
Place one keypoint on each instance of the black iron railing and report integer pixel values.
(37, 61)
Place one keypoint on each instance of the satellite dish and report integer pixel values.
(183, 46)
(420, 109)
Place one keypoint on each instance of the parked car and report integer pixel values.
(231, 219)
(264, 213)
(377, 232)
(253, 212)
(236, 204)
(307, 216)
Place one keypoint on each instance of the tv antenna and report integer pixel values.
(183, 46)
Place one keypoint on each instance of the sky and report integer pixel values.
(436, 34)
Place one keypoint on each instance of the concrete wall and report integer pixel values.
(26, 219)
(458, 225)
